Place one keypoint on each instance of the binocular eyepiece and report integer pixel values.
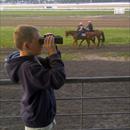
(57, 39)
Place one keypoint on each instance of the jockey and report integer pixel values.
(89, 26)
(80, 29)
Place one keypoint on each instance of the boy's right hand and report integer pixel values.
(49, 44)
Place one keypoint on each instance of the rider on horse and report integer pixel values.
(89, 26)
(80, 30)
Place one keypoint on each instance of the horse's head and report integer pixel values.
(66, 33)
(69, 33)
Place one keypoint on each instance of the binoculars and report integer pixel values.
(57, 39)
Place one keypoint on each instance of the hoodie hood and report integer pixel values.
(12, 64)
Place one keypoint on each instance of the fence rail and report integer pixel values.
(81, 80)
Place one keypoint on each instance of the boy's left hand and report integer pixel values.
(49, 44)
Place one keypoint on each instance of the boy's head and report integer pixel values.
(26, 38)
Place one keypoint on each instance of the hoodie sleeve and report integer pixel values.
(11, 67)
(12, 70)
(43, 78)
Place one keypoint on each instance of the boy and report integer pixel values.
(39, 77)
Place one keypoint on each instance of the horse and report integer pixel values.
(100, 36)
(88, 36)
(75, 36)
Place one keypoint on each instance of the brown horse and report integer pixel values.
(74, 34)
(100, 36)
(88, 36)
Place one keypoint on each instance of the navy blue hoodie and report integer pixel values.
(39, 77)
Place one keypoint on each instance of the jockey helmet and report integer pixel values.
(89, 21)
(80, 23)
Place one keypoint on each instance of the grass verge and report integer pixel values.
(112, 35)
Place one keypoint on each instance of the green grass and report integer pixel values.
(68, 57)
(112, 35)
(117, 54)
(6, 37)
(117, 35)
(55, 13)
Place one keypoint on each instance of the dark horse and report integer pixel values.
(88, 36)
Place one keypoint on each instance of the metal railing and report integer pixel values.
(82, 80)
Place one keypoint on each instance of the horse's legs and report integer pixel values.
(93, 40)
(75, 42)
(102, 44)
(98, 41)
(88, 41)
(81, 42)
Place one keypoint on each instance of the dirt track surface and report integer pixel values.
(104, 61)
(68, 21)
(107, 52)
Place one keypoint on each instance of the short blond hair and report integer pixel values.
(23, 33)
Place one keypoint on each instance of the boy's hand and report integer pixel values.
(49, 44)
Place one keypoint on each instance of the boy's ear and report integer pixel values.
(26, 46)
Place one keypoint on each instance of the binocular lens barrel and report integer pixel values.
(57, 40)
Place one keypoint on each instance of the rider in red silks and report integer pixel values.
(89, 26)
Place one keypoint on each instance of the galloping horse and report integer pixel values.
(88, 36)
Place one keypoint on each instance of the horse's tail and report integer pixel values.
(103, 36)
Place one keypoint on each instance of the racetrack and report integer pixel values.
(86, 62)
(67, 21)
